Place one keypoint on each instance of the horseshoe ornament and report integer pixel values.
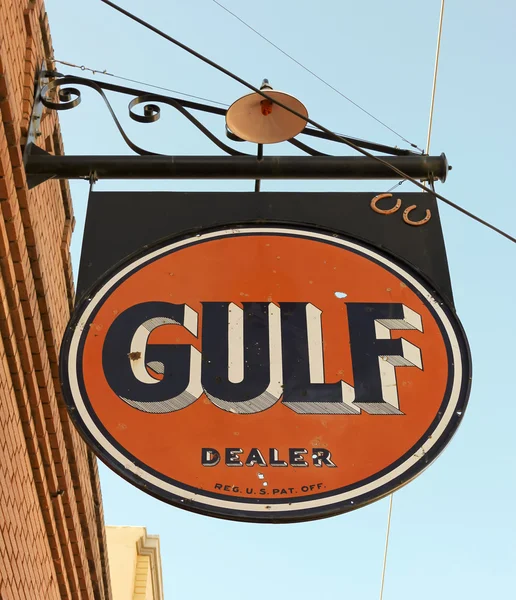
(424, 220)
(381, 211)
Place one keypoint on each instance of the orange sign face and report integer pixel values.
(266, 374)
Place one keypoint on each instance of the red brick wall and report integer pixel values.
(52, 539)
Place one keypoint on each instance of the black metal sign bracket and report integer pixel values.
(55, 91)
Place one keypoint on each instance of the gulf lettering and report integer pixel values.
(256, 354)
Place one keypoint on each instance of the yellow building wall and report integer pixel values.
(135, 564)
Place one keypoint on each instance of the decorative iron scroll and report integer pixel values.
(56, 97)
(61, 94)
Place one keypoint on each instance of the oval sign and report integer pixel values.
(266, 374)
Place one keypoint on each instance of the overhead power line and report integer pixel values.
(384, 566)
(313, 131)
(330, 133)
(157, 87)
(395, 186)
(326, 83)
(434, 81)
(427, 150)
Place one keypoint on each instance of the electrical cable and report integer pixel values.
(427, 150)
(389, 514)
(434, 82)
(312, 131)
(395, 186)
(326, 83)
(158, 87)
(330, 133)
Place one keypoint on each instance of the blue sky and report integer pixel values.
(453, 529)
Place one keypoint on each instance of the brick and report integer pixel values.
(4, 92)
(49, 548)
(16, 157)
(6, 110)
(19, 177)
(4, 194)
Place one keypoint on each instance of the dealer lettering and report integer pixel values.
(255, 355)
(210, 457)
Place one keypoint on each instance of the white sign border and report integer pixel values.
(287, 507)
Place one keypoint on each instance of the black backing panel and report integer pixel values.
(119, 224)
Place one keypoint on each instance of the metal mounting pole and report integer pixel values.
(41, 166)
